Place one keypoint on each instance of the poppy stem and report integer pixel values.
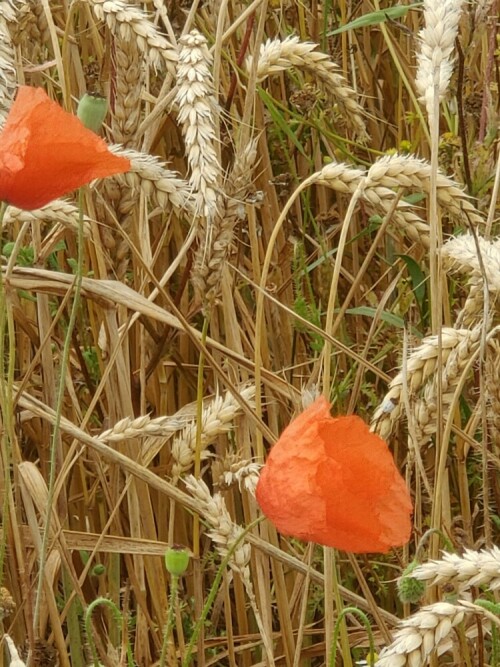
(338, 625)
(6, 393)
(54, 442)
(173, 600)
(332, 584)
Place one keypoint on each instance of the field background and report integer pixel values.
(248, 256)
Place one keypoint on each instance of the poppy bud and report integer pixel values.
(176, 560)
(92, 110)
(98, 570)
(409, 588)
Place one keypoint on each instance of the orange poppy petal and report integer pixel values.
(46, 152)
(333, 482)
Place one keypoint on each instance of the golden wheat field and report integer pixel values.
(288, 199)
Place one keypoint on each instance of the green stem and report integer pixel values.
(106, 602)
(58, 413)
(338, 626)
(6, 403)
(170, 619)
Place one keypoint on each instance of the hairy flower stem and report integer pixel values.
(6, 402)
(106, 602)
(170, 619)
(58, 413)
(338, 625)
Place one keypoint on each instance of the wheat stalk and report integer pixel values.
(472, 568)
(197, 115)
(280, 55)
(437, 40)
(130, 23)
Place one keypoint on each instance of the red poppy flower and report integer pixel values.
(46, 152)
(333, 482)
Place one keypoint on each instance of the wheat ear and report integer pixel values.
(437, 40)
(224, 533)
(461, 254)
(472, 568)
(420, 366)
(425, 408)
(217, 418)
(210, 258)
(197, 115)
(15, 660)
(8, 74)
(280, 55)
(233, 471)
(151, 174)
(425, 632)
(129, 82)
(59, 211)
(492, 382)
(130, 23)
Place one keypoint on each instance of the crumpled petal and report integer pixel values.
(46, 152)
(331, 481)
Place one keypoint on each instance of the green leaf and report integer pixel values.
(418, 279)
(389, 318)
(373, 18)
(277, 117)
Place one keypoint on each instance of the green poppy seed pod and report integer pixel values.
(98, 570)
(92, 110)
(177, 560)
(409, 588)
